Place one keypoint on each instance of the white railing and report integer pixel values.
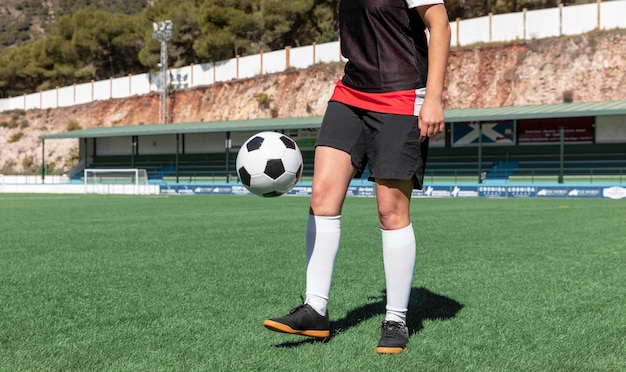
(526, 25)
(20, 179)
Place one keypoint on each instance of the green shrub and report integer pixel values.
(10, 124)
(28, 162)
(72, 125)
(15, 137)
(263, 100)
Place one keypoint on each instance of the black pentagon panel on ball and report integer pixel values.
(274, 168)
(255, 143)
(289, 143)
(244, 176)
(272, 194)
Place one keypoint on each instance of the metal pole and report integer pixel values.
(227, 146)
(163, 33)
(86, 153)
(163, 114)
(43, 161)
(480, 152)
(562, 155)
(177, 150)
(133, 150)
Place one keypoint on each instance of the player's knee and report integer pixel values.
(392, 220)
(323, 211)
(320, 206)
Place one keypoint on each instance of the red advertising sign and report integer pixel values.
(537, 131)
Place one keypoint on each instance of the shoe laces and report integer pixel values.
(301, 307)
(391, 329)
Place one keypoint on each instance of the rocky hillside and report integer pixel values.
(588, 68)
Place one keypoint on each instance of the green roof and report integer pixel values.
(199, 127)
(560, 110)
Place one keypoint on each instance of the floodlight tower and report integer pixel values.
(162, 32)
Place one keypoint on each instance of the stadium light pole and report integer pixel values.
(162, 32)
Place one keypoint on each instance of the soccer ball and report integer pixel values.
(269, 164)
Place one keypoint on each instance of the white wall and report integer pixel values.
(202, 143)
(542, 23)
(113, 146)
(473, 31)
(509, 27)
(571, 20)
(611, 129)
(153, 145)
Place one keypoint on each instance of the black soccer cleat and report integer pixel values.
(394, 338)
(303, 320)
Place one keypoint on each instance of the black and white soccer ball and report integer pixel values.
(269, 164)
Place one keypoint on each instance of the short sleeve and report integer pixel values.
(416, 3)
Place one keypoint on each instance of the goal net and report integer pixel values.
(116, 181)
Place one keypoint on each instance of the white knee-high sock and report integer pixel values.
(399, 262)
(322, 244)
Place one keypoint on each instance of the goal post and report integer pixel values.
(115, 181)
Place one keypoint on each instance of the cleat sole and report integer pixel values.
(283, 328)
(389, 350)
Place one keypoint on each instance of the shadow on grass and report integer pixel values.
(423, 305)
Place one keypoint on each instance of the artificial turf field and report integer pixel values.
(131, 283)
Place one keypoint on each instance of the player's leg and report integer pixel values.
(334, 169)
(333, 172)
(393, 198)
(396, 159)
(398, 240)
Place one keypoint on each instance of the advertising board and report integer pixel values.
(548, 131)
(436, 191)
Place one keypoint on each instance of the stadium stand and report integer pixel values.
(454, 164)
(599, 152)
(528, 161)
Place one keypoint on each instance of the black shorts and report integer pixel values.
(388, 143)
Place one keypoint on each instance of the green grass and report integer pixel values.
(184, 283)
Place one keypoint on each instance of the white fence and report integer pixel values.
(539, 24)
(33, 184)
(536, 24)
(32, 179)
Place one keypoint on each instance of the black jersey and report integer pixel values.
(385, 44)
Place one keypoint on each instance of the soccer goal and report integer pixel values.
(116, 181)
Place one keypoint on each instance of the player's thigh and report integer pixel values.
(394, 150)
(333, 172)
(394, 198)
